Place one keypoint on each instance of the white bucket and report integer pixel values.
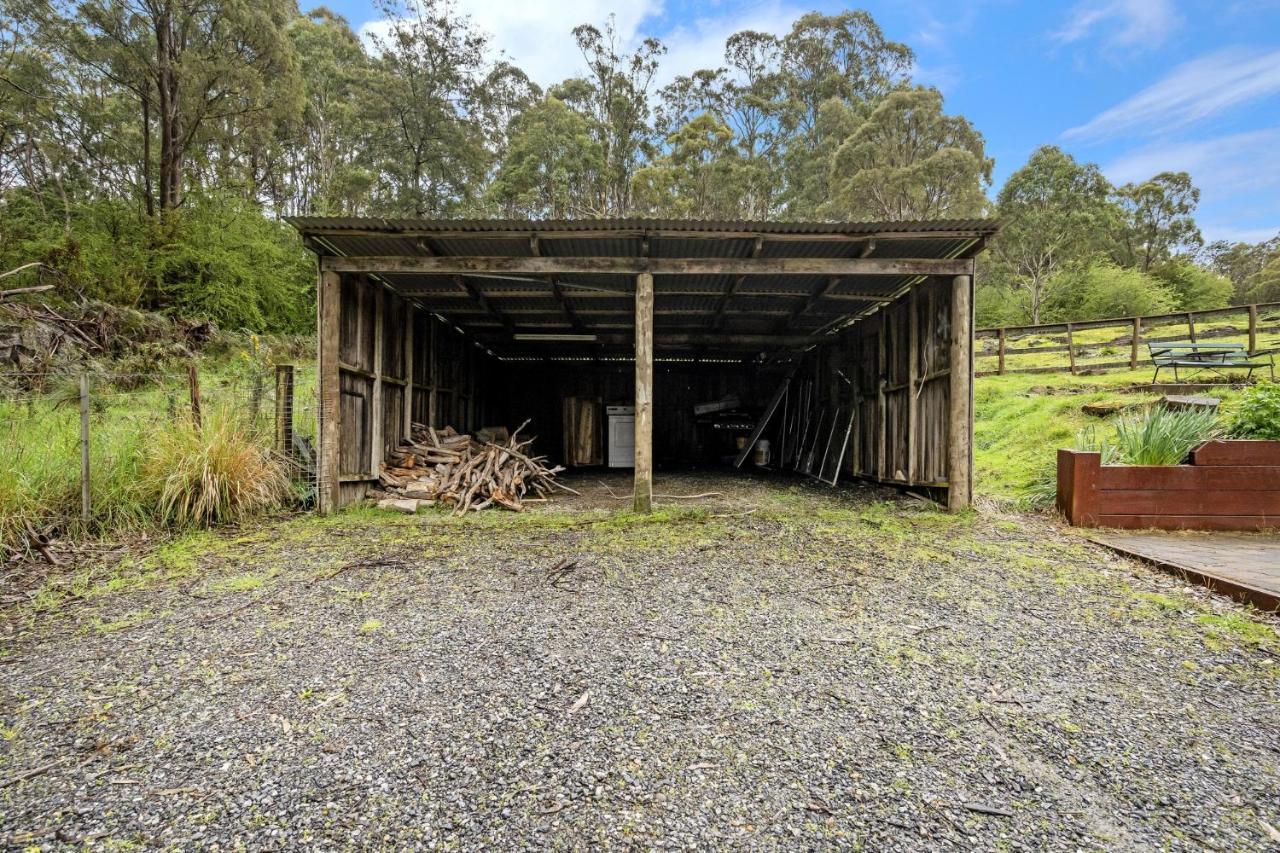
(761, 454)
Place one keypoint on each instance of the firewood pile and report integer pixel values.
(466, 472)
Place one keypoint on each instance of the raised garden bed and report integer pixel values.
(1229, 485)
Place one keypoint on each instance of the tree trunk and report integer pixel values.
(170, 113)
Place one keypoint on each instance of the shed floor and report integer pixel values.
(783, 666)
(1246, 565)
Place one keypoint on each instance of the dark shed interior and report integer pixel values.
(834, 343)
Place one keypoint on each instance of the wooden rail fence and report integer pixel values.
(1003, 344)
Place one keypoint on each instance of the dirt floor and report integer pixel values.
(776, 666)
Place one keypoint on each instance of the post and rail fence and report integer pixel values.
(1077, 347)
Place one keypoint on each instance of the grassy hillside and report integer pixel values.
(1020, 421)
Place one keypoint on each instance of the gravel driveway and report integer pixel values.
(772, 667)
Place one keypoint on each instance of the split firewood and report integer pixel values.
(466, 472)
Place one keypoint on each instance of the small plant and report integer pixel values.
(1258, 414)
(1092, 439)
(1161, 436)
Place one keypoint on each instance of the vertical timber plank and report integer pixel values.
(379, 342)
(643, 494)
(913, 372)
(1000, 369)
(1191, 326)
(407, 405)
(1071, 348)
(1253, 328)
(328, 329)
(959, 438)
(284, 410)
(882, 405)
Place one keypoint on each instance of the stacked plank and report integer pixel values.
(467, 472)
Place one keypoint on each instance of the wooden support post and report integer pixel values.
(328, 329)
(377, 421)
(1253, 328)
(882, 404)
(959, 438)
(1134, 343)
(86, 507)
(193, 382)
(433, 373)
(1191, 326)
(1071, 348)
(643, 494)
(1000, 368)
(284, 410)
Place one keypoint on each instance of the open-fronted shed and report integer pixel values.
(465, 322)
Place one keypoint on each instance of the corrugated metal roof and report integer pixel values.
(316, 224)
(491, 304)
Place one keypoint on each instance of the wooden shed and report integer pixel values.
(475, 322)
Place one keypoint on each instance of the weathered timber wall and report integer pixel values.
(897, 366)
(396, 364)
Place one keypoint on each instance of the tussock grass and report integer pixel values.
(149, 469)
(213, 474)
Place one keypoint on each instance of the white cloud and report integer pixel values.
(1131, 24)
(1228, 163)
(538, 36)
(1192, 92)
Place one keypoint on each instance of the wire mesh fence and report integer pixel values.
(84, 454)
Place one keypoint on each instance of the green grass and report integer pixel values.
(145, 459)
(1021, 420)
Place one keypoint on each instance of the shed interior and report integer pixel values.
(840, 337)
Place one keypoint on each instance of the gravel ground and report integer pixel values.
(777, 666)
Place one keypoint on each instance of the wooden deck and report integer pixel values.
(1245, 566)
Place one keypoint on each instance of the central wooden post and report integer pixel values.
(328, 330)
(644, 393)
(959, 426)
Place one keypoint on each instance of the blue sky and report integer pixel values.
(1137, 86)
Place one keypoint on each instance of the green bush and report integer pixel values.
(1258, 413)
(1104, 290)
(1194, 288)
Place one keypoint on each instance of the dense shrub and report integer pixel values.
(1258, 413)
(1102, 290)
(217, 258)
(1194, 288)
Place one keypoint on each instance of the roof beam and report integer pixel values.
(659, 266)
(669, 339)
(803, 307)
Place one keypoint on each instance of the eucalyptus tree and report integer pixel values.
(699, 177)
(1053, 210)
(552, 159)
(614, 95)
(906, 159)
(1157, 220)
(428, 93)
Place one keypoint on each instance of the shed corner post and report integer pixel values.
(960, 424)
(643, 493)
(328, 329)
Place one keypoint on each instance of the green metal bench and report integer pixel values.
(1215, 358)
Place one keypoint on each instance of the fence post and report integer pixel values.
(284, 409)
(193, 379)
(85, 504)
(1191, 326)
(1071, 349)
(1133, 345)
(255, 399)
(1000, 369)
(1253, 328)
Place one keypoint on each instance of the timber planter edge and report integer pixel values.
(1229, 485)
